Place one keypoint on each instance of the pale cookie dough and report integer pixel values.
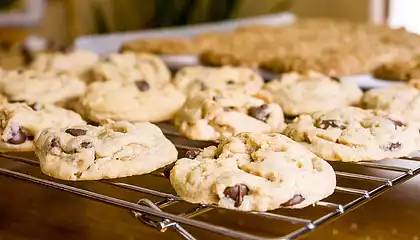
(114, 150)
(216, 114)
(134, 102)
(41, 87)
(21, 124)
(131, 67)
(352, 134)
(78, 62)
(254, 172)
(399, 101)
(198, 78)
(307, 93)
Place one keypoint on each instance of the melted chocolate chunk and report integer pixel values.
(36, 106)
(54, 143)
(236, 193)
(18, 137)
(391, 146)
(167, 171)
(230, 82)
(16, 101)
(26, 54)
(76, 132)
(324, 124)
(78, 174)
(335, 78)
(192, 153)
(142, 85)
(259, 113)
(86, 145)
(293, 201)
(397, 123)
(30, 138)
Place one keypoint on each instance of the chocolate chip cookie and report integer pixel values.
(254, 172)
(198, 78)
(32, 86)
(311, 92)
(130, 101)
(21, 124)
(132, 67)
(352, 134)
(78, 62)
(215, 114)
(399, 101)
(117, 149)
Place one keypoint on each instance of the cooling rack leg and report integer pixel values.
(162, 225)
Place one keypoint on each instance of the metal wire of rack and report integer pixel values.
(153, 214)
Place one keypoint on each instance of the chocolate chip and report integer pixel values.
(230, 82)
(259, 113)
(30, 138)
(17, 101)
(324, 124)
(26, 54)
(167, 171)
(18, 137)
(203, 86)
(228, 109)
(192, 153)
(335, 78)
(142, 85)
(293, 201)
(36, 106)
(397, 123)
(76, 131)
(236, 193)
(391, 146)
(78, 174)
(86, 144)
(54, 143)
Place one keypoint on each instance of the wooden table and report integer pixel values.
(31, 211)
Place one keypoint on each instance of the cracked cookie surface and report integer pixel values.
(400, 101)
(198, 78)
(21, 123)
(78, 62)
(32, 86)
(215, 114)
(130, 101)
(352, 134)
(117, 149)
(254, 172)
(307, 93)
(132, 67)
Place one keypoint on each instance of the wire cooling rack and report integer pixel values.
(152, 213)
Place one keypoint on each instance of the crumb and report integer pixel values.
(334, 232)
(353, 226)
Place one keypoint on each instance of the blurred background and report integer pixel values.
(64, 20)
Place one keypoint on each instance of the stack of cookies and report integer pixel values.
(88, 117)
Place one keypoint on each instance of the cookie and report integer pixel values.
(198, 78)
(311, 92)
(352, 134)
(400, 101)
(78, 62)
(3, 100)
(114, 150)
(215, 114)
(254, 172)
(32, 86)
(400, 70)
(130, 101)
(131, 67)
(21, 124)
